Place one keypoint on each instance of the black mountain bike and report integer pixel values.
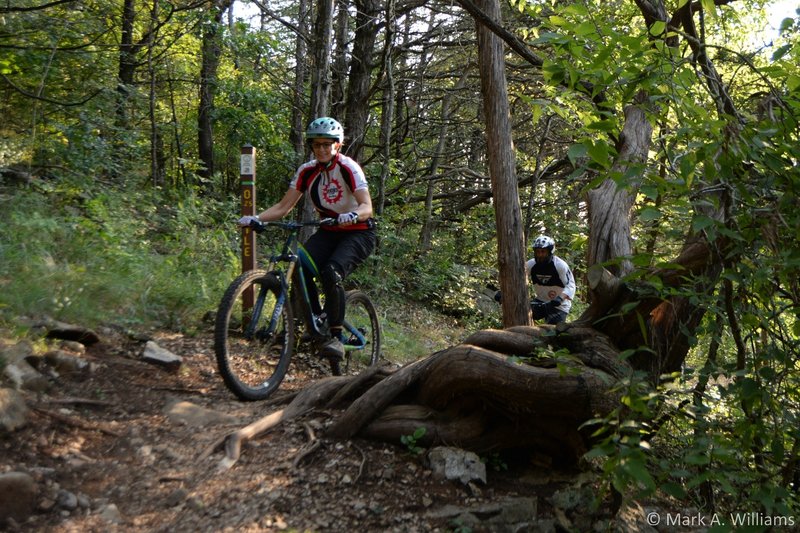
(256, 333)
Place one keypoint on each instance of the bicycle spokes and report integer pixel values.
(253, 346)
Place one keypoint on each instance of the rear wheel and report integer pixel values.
(253, 346)
(360, 315)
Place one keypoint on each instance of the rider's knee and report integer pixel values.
(331, 276)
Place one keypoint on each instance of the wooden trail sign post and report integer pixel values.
(247, 182)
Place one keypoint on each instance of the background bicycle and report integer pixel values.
(266, 315)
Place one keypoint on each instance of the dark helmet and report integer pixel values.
(543, 242)
(325, 128)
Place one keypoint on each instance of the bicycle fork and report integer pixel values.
(266, 333)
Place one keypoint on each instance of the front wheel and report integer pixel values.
(253, 344)
(362, 335)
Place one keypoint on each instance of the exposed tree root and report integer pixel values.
(474, 395)
(323, 393)
(311, 446)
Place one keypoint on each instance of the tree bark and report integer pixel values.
(387, 106)
(339, 66)
(127, 62)
(500, 148)
(211, 50)
(321, 69)
(300, 75)
(361, 65)
(320, 86)
(610, 204)
(474, 395)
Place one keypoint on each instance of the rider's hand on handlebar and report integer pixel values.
(247, 220)
(346, 219)
(553, 304)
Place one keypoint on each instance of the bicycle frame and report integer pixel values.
(293, 253)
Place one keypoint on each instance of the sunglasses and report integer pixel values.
(325, 145)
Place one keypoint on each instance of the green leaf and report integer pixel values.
(536, 111)
(598, 451)
(550, 37)
(709, 7)
(628, 307)
(702, 222)
(674, 490)
(648, 214)
(637, 470)
(603, 125)
(780, 52)
(598, 152)
(553, 72)
(651, 191)
(577, 9)
(585, 28)
(576, 152)
(658, 28)
(697, 458)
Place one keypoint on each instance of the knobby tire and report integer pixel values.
(253, 368)
(360, 313)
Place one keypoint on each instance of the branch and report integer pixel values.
(512, 40)
(716, 88)
(48, 100)
(517, 45)
(274, 16)
(34, 8)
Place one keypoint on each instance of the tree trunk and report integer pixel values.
(321, 69)
(500, 148)
(361, 65)
(156, 142)
(300, 74)
(127, 62)
(609, 204)
(320, 86)
(211, 50)
(339, 67)
(387, 107)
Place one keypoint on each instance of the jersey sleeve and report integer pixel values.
(303, 176)
(353, 174)
(566, 276)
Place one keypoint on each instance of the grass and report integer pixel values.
(412, 331)
(123, 258)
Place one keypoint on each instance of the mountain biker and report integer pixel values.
(338, 189)
(552, 280)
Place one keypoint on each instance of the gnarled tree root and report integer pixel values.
(325, 392)
(474, 395)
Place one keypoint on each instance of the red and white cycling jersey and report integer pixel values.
(332, 187)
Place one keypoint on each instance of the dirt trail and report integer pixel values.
(124, 447)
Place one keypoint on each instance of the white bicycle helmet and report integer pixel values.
(325, 128)
(543, 242)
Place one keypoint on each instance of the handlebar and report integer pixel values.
(291, 225)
